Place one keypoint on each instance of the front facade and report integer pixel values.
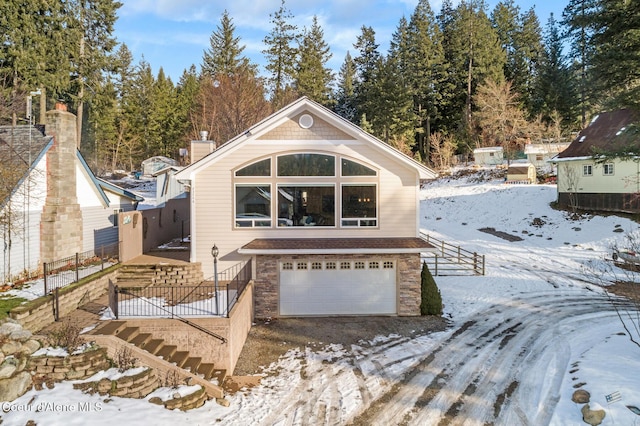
(327, 214)
(592, 176)
(521, 173)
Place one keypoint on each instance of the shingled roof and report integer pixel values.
(20, 148)
(614, 131)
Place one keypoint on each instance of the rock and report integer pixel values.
(223, 402)
(11, 347)
(104, 386)
(20, 335)
(592, 417)
(15, 387)
(581, 396)
(9, 327)
(7, 371)
(156, 400)
(30, 346)
(177, 395)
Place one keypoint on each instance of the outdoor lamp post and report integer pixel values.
(214, 252)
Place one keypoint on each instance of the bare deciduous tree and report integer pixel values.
(443, 147)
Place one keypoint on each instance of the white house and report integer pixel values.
(327, 214)
(600, 170)
(52, 205)
(539, 154)
(488, 156)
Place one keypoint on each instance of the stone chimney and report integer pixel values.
(202, 148)
(61, 224)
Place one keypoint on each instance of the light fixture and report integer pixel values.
(214, 252)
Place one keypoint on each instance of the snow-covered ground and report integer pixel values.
(523, 338)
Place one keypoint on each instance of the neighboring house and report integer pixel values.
(539, 154)
(155, 164)
(52, 205)
(489, 156)
(521, 173)
(167, 186)
(587, 179)
(328, 215)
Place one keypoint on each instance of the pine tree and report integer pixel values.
(313, 78)
(368, 64)
(578, 17)
(426, 73)
(431, 299)
(224, 55)
(281, 55)
(345, 94)
(555, 86)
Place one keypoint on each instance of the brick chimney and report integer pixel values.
(61, 220)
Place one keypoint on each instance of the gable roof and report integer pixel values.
(101, 185)
(609, 131)
(291, 110)
(21, 148)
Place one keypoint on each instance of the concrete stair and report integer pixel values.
(136, 275)
(165, 352)
(144, 275)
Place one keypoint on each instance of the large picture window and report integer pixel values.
(305, 189)
(253, 206)
(359, 205)
(306, 205)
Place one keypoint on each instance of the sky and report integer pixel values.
(174, 34)
(536, 319)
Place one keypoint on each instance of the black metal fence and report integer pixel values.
(211, 298)
(69, 270)
(452, 260)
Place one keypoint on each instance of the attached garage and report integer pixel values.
(338, 287)
(336, 276)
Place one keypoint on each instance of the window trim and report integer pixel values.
(605, 167)
(584, 170)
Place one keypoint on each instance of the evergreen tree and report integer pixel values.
(555, 86)
(313, 78)
(578, 17)
(281, 55)
(224, 55)
(616, 60)
(368, 64)
(519, 36)
(345, 94)
(431, 299)
(475, 54)
(427, 73)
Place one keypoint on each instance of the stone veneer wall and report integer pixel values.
(408, 269)
(39, 313)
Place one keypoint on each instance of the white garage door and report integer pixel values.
(338, 288)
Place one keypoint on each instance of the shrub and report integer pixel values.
(124, 359)
(431, 300)
(67, 336)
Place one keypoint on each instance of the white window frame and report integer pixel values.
(608, 169)
(587, 170)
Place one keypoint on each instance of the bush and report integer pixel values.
(431, 300)
(66, 336)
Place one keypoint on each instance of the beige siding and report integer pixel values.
(321, 130)
(624, 179)
(213, 199)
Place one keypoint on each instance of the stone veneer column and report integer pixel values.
(61, 220)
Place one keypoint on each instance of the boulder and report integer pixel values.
(30, 346)
(11, 347)
(593, 416)
(6, 328)
(581, 396)
(15, 387)
(20, 335)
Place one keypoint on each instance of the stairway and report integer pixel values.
(146, 274)
(159, 348)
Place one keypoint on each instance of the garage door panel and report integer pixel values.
(337, 291)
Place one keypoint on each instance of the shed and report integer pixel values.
(521, 173)
(488, 156)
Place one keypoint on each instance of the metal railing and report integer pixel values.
(62, 272)
(451, 259)
(204, 300)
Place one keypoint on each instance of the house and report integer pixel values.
(52, 205)
(157, 163)
(600, 168)
(327, 214)
(539, 154)
(488, 156)
(521, 173)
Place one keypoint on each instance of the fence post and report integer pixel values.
(475, 262)
(115, 301)
(77, 257)
(56, 303)
(483, 271)
(436, 271)
(45, 277)
(459, 255)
